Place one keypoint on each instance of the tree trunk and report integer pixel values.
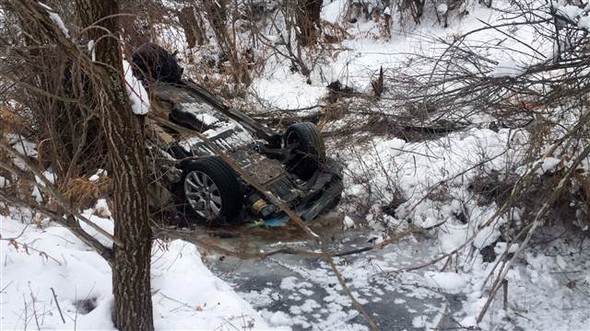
(193, 28)
(127, 156)
(308, 21)
(216, 13)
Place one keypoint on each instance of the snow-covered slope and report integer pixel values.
(47, 274)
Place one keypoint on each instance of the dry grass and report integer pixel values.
(333, 112)
(83, 193)
(4, 210)
(11, 120)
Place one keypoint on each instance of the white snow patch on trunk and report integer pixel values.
(138, 97)
(56, 19)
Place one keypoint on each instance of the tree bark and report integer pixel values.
(216, 13)
(127, 156)
(193, 28)
(308, 21)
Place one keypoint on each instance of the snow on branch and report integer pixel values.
(56, 19)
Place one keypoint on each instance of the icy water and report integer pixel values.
(302, 292)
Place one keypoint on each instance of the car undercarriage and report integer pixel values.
(225, 163)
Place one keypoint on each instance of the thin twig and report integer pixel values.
(18, 236)
(5, 287)
(34, 308)
(26, 312)
(505, 284)
(58, 307)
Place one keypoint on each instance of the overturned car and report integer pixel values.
(198, 132)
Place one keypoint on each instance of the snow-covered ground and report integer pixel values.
(548, 286)
(48, 274)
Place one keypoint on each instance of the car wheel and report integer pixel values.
(209, 191)
(306, 149)
(153, 63)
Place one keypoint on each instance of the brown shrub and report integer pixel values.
(11, 121)
(83, 193)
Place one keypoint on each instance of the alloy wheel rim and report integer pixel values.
(203, 195)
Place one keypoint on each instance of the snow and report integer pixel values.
(4, 182)
(348, 223)
(571, 12)
(92, 50)
(548, 284)
(448, 281)
(56, 19)
(101, 209)
(202, 112)
(278, 319)
(281, 92)
(138, 97)
(333, 11)
(186, 295)
(442, 8)
(47, 176)
(22, 145)
(507, 68)
(548, 165)
(99, 173)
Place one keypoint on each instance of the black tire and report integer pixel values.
(153, 63)
(209, 182)
(308, 150)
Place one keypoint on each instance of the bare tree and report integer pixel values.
(217, 14)
(92, 84)
(308, 21)
(126, 151)
(192, 26)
